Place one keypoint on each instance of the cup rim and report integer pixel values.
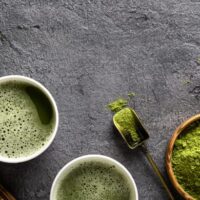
(84, 157)
(55, 110)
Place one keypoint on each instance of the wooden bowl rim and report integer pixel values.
(169, 151)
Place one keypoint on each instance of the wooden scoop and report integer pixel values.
(5, 195)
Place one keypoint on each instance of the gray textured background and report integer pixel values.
(87, 53)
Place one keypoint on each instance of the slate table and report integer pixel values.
(89, 52)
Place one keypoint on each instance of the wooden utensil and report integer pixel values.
(5, 195)
(170, 148)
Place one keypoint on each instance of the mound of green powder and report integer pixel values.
(125, 120)
(117, 105)
(186, 160)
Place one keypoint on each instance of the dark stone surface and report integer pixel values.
(87, 53)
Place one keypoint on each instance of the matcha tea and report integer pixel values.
(26, 119)
(93, 181)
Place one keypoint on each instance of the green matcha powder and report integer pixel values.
(125, 119)
(186, 160)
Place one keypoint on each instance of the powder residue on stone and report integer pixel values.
(198, 61)
(186, 161)
(185, 82)
(131, 94)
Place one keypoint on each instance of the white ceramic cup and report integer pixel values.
(36, 84)
(89, 158)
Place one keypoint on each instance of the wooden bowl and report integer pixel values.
(170, 148)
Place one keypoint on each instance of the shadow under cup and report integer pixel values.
(67, 173)
(28, 119)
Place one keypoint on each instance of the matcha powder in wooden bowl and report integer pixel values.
(186, 160)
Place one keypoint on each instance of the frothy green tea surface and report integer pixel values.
(94, 181)
(25, 119)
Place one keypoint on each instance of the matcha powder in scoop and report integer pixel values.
(124, 119)
(126, 123)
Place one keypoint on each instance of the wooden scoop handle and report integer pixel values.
(157, 171)
(5, 195)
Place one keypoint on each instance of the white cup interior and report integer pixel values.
(36, 84)
(88, 158)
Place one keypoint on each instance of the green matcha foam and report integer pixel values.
(25, 125)
(93, 181)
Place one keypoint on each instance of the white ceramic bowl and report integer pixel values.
(32, 82)
(88, 158)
